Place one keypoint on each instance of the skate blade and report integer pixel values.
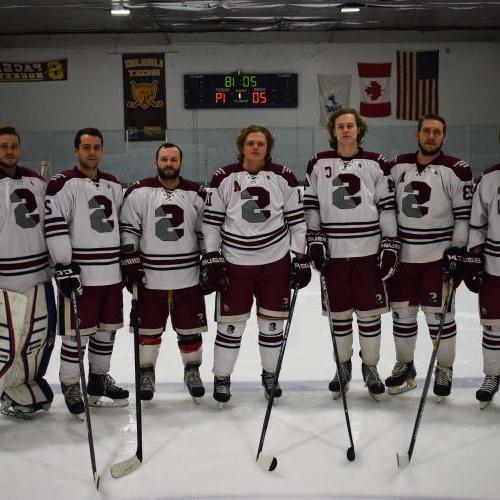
(484, 404)
(220, 405)
(403, 460)
(196, 399)
(441, 399)
(408, 386)
(376, 397)
(22, 415)
(105, 402)
(337, 394)
(79, 416)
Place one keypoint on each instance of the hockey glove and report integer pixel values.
(317, 251)
(68, 279)
(452, 265)
(473, 271)
(300, 273)
(388, 257)
(132, 270)
(214, 275)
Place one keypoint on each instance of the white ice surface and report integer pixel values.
(202, 452)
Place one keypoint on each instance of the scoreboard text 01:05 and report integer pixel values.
(233, 90)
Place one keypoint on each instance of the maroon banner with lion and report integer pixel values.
(145, 106)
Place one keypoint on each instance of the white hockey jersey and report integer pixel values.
(165, 225)
(351, 200)
(485, 218)
(433, 204)
(257, 218)
(24, 259)
(81, 224)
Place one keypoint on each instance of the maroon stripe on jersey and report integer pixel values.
(96, 256)
(257, 240)
(170, 261)
(356, 229)
(23, 265)
(55, 227)
(424, 236)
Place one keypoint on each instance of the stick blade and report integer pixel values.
(403, 460)
(267, 462)
(125, 467)
(351, 455)
(96, 480)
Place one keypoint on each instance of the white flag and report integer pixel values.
(334, 93)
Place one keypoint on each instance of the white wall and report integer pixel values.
(469, 76)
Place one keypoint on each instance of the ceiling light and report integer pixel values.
(351, 7)
(120, 10)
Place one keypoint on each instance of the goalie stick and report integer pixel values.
(268, 462)
(405, 458)
(131, 464)
(76, 323)
(351, 455)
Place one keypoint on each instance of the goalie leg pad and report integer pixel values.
(28, 320)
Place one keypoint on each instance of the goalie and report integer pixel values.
(27, 310)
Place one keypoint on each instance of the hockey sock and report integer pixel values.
(69, 371)
(446, 352)
(190, 348)
(369, 339)
(100, 350)
(343, 336)
(149, 348)
(227, 347)
(405, 329)
(491, 354)
(270, 340)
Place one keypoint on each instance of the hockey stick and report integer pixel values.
(351, 455)
(404, 458)
(76, 323)
(268, 462)
(131, 464)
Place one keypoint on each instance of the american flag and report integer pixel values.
(417, 84)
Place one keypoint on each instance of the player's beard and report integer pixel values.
(429, 152)
(169, 175)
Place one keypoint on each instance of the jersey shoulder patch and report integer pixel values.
(283, 172)
(108, 177)
(460, 168)
(323, 155)
(149, 182)
(223, 172)
(59, 180)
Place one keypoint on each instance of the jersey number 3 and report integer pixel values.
(23, 213)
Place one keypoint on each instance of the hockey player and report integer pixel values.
(254, 214)
(160, 224)
(351, 221)
(433, 196)
(82, 232)
(483, 274)
(27, 309)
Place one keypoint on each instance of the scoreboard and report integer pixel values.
(240, 90)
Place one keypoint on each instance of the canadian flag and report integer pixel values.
(375, 89)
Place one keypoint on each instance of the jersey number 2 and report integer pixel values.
(23, 213)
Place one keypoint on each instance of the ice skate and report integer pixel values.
(373, 382)
(73, 399)
(104, 393)
(147, 383)
(193, 382)
(222, 393)
(334, 385)
(10, 409)
(402, 378)
(487, 390)
(268, 384)
(442, 382)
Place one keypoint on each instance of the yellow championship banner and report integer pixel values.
(47, 71)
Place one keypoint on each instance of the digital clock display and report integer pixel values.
(240, 90)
